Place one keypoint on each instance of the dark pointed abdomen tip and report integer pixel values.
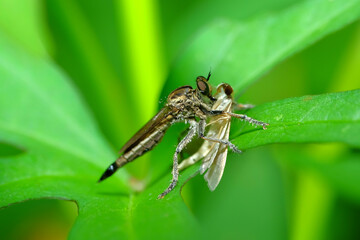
(109, 171)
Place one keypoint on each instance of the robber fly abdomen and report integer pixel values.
(143, 141)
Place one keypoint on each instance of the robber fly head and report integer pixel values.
(204, 88)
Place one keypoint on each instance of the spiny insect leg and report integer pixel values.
(201, 133)
(228, 143)
(248, 119)
(179, 148)
(180, 137)
(241, 116)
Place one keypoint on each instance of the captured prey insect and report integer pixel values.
(184, 104)
(214, 153)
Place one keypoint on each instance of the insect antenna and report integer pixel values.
(209, 75)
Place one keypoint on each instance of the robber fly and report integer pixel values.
(184, 104)
(214, 153)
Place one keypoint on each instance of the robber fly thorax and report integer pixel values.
(184, 104)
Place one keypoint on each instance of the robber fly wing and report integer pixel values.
(162, 116)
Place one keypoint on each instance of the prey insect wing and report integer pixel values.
(214, 154)
(216, 160)
(192, 106)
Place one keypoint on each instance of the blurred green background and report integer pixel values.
(119, 54)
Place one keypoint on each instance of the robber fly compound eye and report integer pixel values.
(204, 87)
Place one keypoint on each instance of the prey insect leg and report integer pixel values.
(179, 148)
(202, 124)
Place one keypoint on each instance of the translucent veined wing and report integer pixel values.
(163, 116)
(215, 160)
(216, 169)
(214, 154)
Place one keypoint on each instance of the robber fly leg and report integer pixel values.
(248, 119)
(228, 143)
(202, 124)
(179, 148)
(180, 137)
(241, 116)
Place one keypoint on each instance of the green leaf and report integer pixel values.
(251, 196)
(86, 50)
(183, 19)
(336, 165)
(333, 117)
(27, 31)
(240, 52)
(64, 155)
(48, 121)
(343, 175)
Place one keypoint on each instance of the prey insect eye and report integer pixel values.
(228, 90)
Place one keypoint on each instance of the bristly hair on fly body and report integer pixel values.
(212, 153)
(195, 107)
